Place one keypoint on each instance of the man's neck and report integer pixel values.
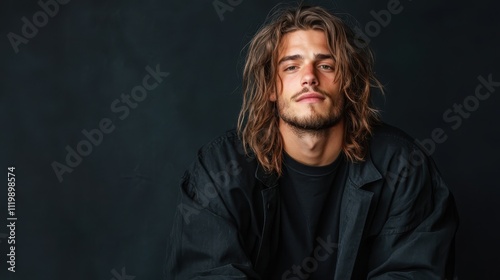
(315, 148)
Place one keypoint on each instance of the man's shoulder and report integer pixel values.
(389, 142)
(227, 144)
(386, 136)
(221, 166)
(223, 154)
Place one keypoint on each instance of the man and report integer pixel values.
(312, 185)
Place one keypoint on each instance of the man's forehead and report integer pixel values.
(301, 42)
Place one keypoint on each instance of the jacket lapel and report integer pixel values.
(353, 214)
(268, 244)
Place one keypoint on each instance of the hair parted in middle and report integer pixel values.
(353, 62)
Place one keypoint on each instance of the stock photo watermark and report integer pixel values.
(222, 6)
(381, 19)
(454, 117)
(463, 110)
(321, 253)
(120, 106)
(40, 19)
(11, 218)
(221, 178)
(121, 276)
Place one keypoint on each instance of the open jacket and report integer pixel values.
(397, 219)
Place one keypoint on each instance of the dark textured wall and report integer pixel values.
(109, 218)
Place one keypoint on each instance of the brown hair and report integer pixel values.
(258, 118)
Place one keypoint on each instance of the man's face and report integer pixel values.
(308, 96)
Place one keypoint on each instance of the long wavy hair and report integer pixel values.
(258, 119)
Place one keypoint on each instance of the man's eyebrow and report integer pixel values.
(290, 57)
(318, 56)
(322, 56)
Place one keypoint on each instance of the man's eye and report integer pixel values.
(326, 67)
(291, 68)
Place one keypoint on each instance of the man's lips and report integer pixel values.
(310, 97)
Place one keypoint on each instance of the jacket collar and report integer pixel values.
(364, 172)
(268, 179)
(360, 174)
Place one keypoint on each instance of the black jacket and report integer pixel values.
(398, 219)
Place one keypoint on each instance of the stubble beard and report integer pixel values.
(316, 123)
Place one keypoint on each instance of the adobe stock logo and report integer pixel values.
(39, 19)
(122, 276)
(122, 107)
(309, 265)
(208, 191)
(381, 20)
(455, 117)
(221, 7)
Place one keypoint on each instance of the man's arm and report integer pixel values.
(204, 242)
(417, 240)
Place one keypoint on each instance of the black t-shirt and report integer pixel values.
(309, 219)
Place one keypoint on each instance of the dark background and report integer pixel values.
(114, 210)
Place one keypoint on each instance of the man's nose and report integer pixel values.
(309, 77)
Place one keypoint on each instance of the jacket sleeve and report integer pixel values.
(417, 239)
(204, 242)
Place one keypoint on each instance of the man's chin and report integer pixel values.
(311, 124)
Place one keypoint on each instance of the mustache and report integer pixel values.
(309, 89)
